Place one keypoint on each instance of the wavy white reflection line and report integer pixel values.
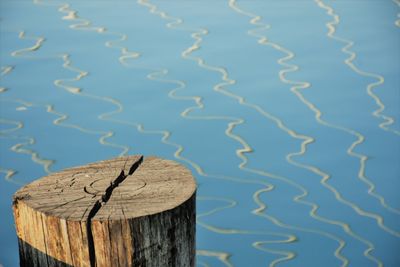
(221, 256)
(85, 24)
(71, 89)
(20, 147)
(397, 21)
(378, 113)
(58, 121)
(363, 158)
(77, 90)
(164, 15)
(202, 263)
(318, 114)
(154, 75)
(9, 133)
(4, 71)
(17, 125)
(9, 173)
(288, 255)
(38, 43)
(307, 140)
(125, 55)
(341, 242)
(35, 156)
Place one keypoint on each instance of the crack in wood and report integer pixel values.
(106, 218)
(99, 203)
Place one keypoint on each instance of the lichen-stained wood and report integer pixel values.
(121, 212)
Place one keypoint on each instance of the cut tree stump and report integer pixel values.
(121, 212)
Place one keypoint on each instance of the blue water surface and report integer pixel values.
(286, 112)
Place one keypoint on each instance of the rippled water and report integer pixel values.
(287, 112)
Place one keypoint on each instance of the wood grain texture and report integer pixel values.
(121, 212)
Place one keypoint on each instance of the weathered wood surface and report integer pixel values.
(121, 212)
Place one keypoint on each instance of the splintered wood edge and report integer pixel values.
(121, 188)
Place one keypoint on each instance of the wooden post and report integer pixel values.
(121, 212)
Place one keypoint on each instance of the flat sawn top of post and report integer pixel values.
(121, 188)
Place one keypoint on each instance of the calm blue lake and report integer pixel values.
(287, 113)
